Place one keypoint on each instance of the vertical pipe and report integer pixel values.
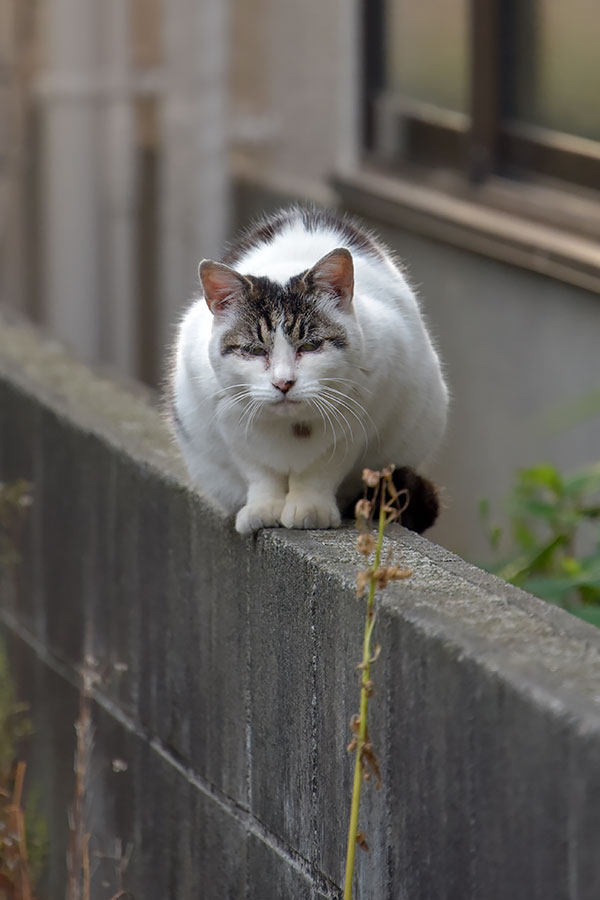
(118, 322)
(10, 140)
(70, 275)
(373, 29)
(195, 194)
(485, 88)
(348, 87)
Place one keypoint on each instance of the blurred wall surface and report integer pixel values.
(139, 135)
(114, 176)
(123, 124)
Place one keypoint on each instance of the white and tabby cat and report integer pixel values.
(305, 360)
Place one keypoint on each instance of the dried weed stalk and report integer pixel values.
(16, 876)
(15, 881)
(15, 497)
(78, 853)
(379, 489)
(79, 870)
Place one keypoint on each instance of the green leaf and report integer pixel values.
(523, 535)
(584, 481)
(570, 566)
(529, 563)
(590, 594)
(555, 590)
(553, 587)
(548, 513)
(484, 508)
(495, 537)
(589, 614)
(544, 475)
(534, 507)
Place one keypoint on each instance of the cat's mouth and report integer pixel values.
(285, 404)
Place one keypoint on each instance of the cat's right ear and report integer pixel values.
(222, 286)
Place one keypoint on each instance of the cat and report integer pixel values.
(305, 359)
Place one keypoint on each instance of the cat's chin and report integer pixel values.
(286, 407)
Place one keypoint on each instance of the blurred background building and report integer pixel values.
(138, 135)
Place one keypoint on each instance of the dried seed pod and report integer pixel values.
(369, 687)
(396, 573)
(365, 544)
(362, 510)
(362, 580)
(381, 578)
(371, 477)
(361, 840)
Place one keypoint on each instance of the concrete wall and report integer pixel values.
(295, 79)
(232, 715)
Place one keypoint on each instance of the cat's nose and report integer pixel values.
(283, 386)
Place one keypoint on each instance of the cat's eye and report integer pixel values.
(255, 351)
(310, 346)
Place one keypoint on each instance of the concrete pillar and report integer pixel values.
(71, 282)
(119, 191)
(195, 194)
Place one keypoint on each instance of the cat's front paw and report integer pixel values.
(311, 511)
(261, 514)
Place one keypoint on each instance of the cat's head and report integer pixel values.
(282, 344)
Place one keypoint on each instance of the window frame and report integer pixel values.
(490, 141)
(478, 165)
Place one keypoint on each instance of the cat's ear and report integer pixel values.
(221, 285)
(335, 274)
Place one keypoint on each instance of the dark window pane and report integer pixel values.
(558, 72)
(427, 51)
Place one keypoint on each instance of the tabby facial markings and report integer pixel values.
(338, 340)
(292, 306)
(301, 430)
(312, 326)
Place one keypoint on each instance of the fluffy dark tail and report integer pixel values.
(423, 500)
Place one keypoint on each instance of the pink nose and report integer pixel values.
(283, 386)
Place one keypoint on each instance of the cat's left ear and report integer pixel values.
(222, 285)
(335, 274)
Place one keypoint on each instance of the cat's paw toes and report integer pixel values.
(310, 512)
(253, 516)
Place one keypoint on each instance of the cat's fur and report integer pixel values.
(305, 360)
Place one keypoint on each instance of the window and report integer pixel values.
(484, 88)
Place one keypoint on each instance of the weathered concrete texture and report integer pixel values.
(229, 680)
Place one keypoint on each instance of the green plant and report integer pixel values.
(23, 831)
(554, 545)
(15, 497)
(374, 577)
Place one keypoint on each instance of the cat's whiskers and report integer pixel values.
(228, 403)
(341, 419)
(310, 403)
(349, 403)
(246, 413)
(339, 405)
(325, 415)
(222, 390)
(360, 386)
(216, 395)
(253, 409)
